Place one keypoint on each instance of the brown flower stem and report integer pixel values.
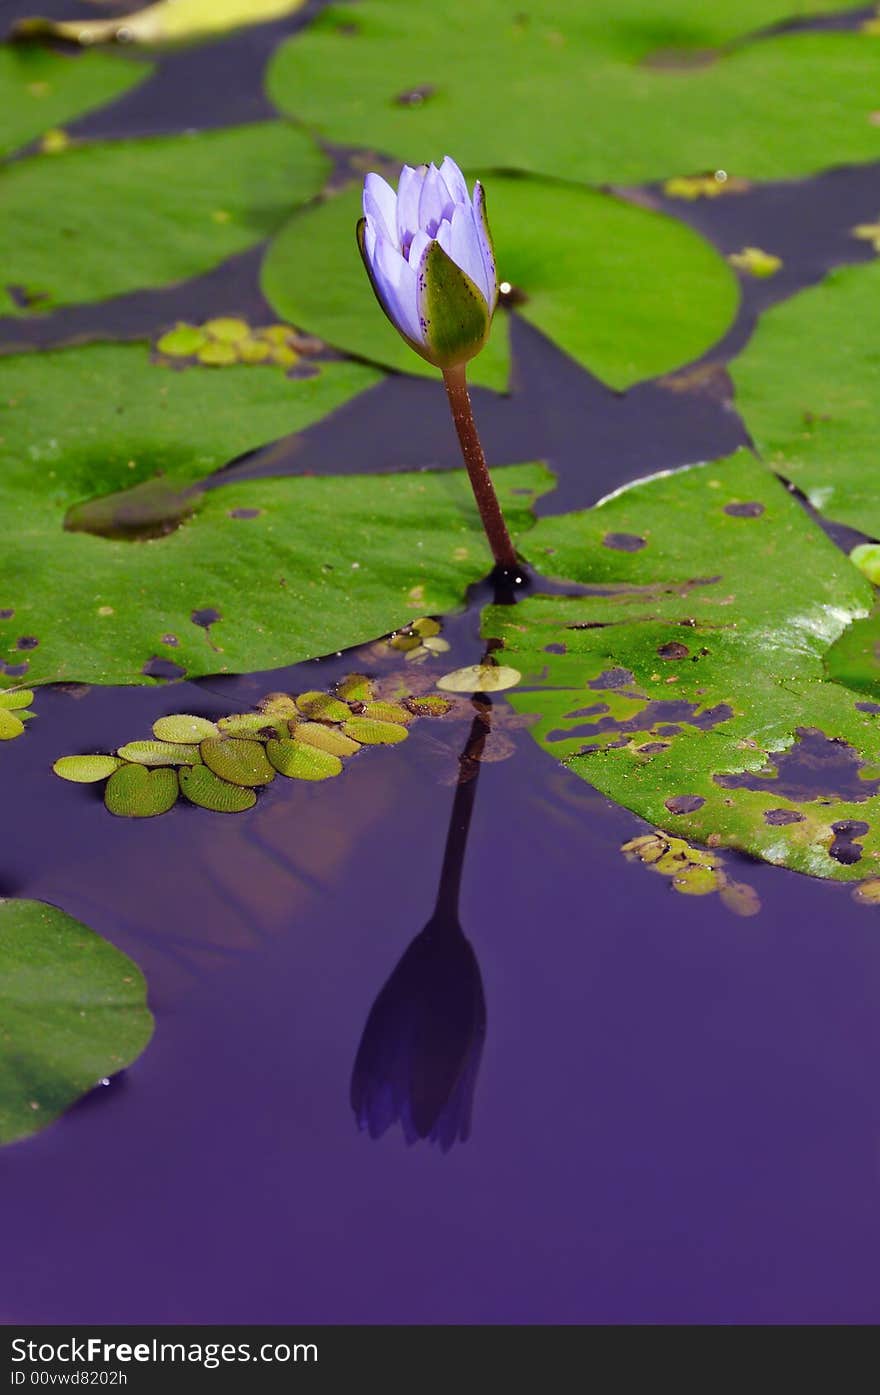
(475, 460)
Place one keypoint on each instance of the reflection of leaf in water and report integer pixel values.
(165, 22)
(808, 386)
(633, 316)
(691, 686)
(254, 575)
(74, 1012)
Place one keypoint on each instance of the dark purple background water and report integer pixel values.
(677, 1117)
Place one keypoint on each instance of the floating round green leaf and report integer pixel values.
(301, 761)
(86, 770)
(238, 760)
(326, 738)
(854, 659)
(428, 705)
(159, 753)
(248, 724)
(41, 88)
(201, 786)
(808, 387)
(572, 90)
(184, 341)
(355, 687)
(134, 792)
(689, 682)
(183, 728)
(145, 213)
(372, 733)
(74, 1012)
(322, 707)
(656, 296)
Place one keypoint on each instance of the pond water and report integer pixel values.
(675, 1115)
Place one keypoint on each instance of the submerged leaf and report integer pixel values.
(74, 1013)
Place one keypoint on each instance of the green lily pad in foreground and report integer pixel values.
(254, 575)
(627, 292)
(691, 687)
(98, 220)
(808, 386)
(41, 88)
(74, 1012)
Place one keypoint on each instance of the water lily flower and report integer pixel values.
(429, 256)
(428, 253)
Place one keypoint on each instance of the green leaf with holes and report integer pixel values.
(628, 292)
(98, 220)
(690, 684)
(261, 574)
(74, 1013)
(41, 89)
(808, 387)
(621, 91)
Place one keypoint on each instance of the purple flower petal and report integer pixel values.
(462, 244)
(409, 190)
(486, 248)
(395, 283)
(380, 204)
(454, 181)
(434, 202)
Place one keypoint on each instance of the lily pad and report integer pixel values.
(134, 792)
(41, 89)
(101, 219)
(627, 292)
(617, 91)
(300, 760)
(202, 787)
(808, 386)
(164, 22)
(691, 686)
(263, 573)
(74, 1013)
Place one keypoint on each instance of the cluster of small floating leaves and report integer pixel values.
(755, 262)
(692, 871)
(222, 342)
(14, 712)
(220, 765)
(703, 186)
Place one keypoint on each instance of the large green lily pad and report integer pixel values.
(808, 386)
(627, 292)
(42, 88)
(691, 685)
(98, 220)
(74, 1012)
(259, 574)
(565, 89)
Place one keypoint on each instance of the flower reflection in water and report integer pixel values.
(420, 1051)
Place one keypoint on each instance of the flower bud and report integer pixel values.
(428, 253)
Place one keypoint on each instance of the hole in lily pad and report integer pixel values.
(779, 818)
(684, 803)
(844, 848)
(415, 97)
(815, 767)
(157, 667)
(624, 542)
(747, 510)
